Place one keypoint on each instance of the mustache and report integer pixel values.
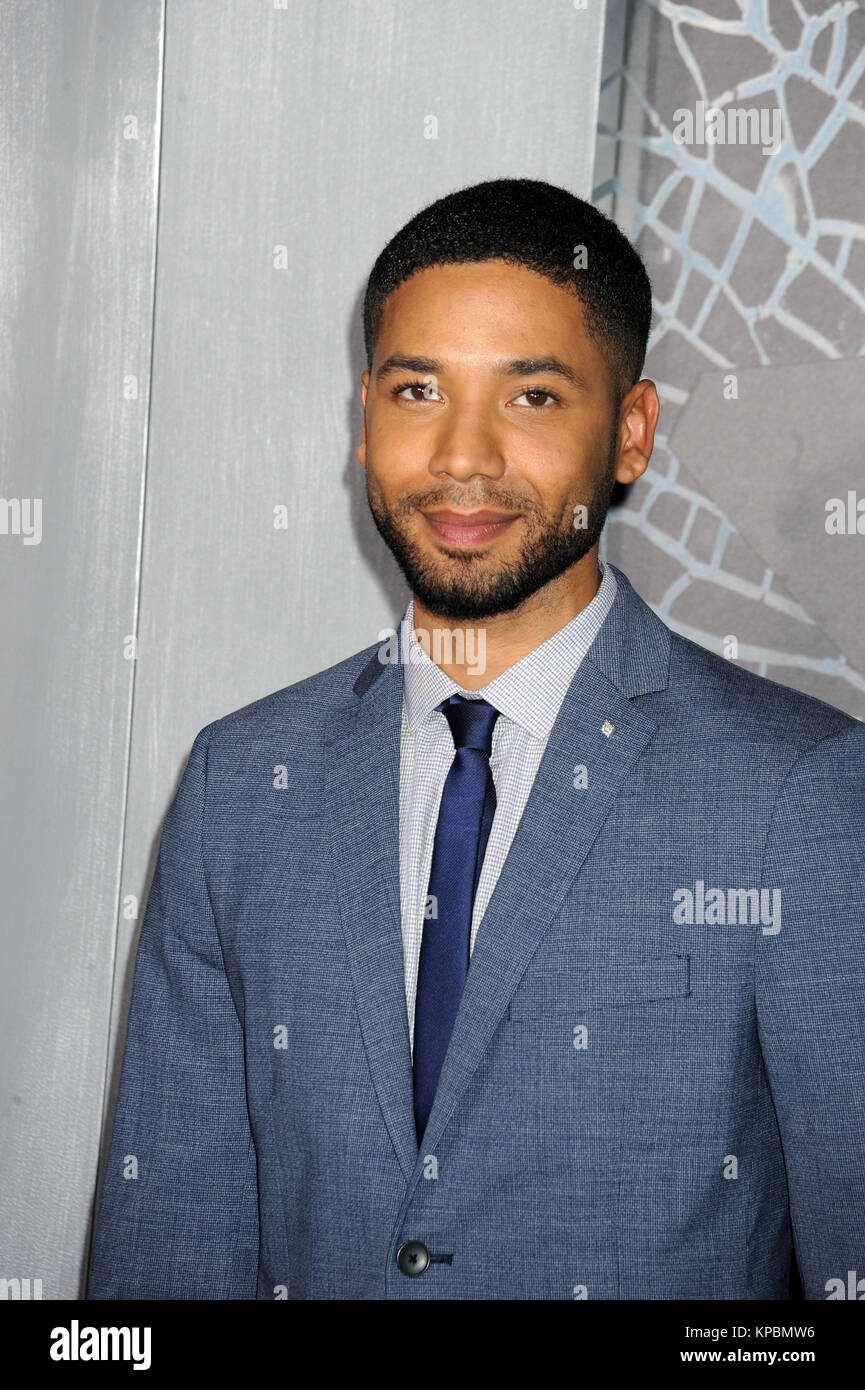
(503, 500)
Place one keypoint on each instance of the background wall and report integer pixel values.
(79, 143)
(195, 191)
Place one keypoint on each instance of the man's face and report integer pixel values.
(490, 436)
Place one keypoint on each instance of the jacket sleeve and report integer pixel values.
(178, 1214)
(810, 993)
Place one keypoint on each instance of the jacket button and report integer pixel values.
(412, 1258)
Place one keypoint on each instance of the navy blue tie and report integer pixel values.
(466, 813)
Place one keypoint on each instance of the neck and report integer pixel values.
(474, 653)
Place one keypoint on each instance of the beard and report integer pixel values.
(465, 586)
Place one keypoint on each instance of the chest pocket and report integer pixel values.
(569, 986)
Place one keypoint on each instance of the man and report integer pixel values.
(521, 955)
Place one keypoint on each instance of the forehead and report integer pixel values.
(488, 306)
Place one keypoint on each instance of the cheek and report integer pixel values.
(553, 472)
(395, 453)
(564, 458)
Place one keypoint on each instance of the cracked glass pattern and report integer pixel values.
(757, 261)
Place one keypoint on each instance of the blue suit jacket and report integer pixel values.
(634, 1105)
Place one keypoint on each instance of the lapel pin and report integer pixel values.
(607, 728)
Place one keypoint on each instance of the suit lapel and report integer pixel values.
(362, 810)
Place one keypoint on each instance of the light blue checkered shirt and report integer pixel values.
(528, 696)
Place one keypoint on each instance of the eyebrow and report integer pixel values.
(516, 366)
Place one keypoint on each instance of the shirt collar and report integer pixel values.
(532, 690)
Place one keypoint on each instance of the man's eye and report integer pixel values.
(419, 391)
(535, 391)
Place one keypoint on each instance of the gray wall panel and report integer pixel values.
(76, 268)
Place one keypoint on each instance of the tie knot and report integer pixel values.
(471, 722)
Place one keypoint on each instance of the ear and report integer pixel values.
(360, 451)
(638, 416)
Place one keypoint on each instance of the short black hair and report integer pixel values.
(534, 224)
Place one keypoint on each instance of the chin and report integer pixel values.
(451, 604)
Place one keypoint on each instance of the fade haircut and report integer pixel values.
(534, 224)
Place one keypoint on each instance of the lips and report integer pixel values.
(469, 528)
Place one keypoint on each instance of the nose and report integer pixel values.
(467, 445)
